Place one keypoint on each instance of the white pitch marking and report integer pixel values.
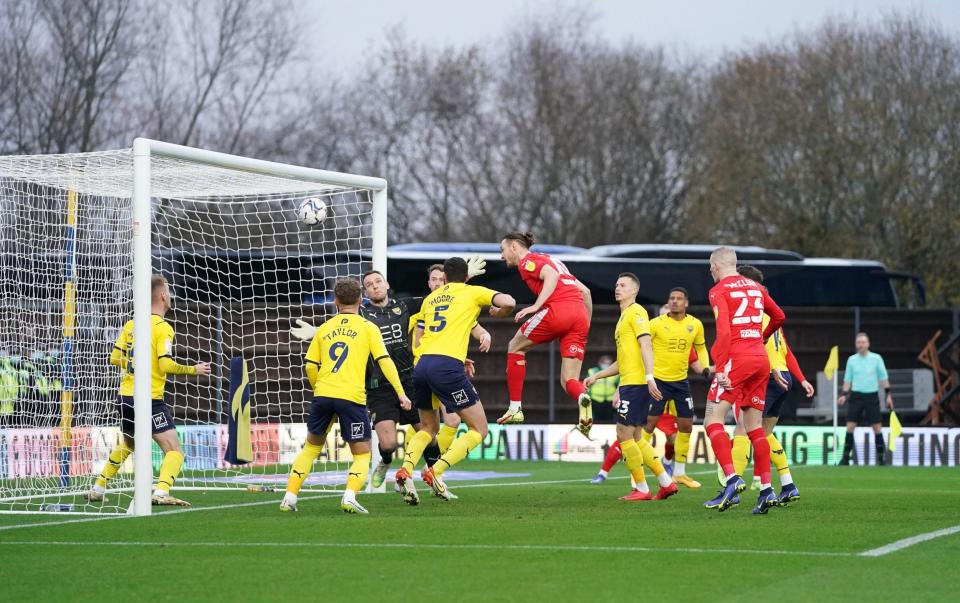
(899, 545)
(272, 501)
(400, 545)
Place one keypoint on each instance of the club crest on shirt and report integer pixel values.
(530, 266)
(398, 310)
(689, 328)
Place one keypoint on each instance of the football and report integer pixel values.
(312, 211)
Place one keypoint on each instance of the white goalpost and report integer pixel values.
(81, 235)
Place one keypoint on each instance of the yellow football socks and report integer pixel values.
(779, 459)
(408, 435)
(117, 456)
(650, 458)
(682, 447)
(357, 475)
(458, 451)
(634, 460)
(741, 450)
(169, 470)
(445, 437)
(413, 450)
(647, 436)
(301, 467)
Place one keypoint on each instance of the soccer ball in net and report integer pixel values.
(312, 211)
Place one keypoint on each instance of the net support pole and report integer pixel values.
(380, 230)
(379, 263)
(142, 465)
(836, 442)
(69, 328)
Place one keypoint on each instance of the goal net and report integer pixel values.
(242, 267)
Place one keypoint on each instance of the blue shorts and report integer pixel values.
(634, 405)
(776, 395)
(161, 419)
(445, 377)
(679, 392)
(354, 418)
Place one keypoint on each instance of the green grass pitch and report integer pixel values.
(549, 535)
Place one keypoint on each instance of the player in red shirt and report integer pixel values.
(562, 311)
(743, 370)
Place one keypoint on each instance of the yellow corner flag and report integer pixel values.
(833, 363)
(895, 431)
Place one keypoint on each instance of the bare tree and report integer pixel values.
(842, 140)
(65, 64)
(839, 142)
(212, 67)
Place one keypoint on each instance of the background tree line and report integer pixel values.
(840, 141)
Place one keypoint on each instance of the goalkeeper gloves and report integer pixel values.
(304, 332)
(476, 266)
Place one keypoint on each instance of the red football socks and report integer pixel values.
(613, 455)
(575, 388)
(761, 454)
(721, 448)
(516, 373)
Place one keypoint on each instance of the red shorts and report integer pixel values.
(567, 322)
(667, 424)
(749, 376)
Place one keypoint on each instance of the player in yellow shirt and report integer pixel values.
(436, 279)
(784, 369)
(638, 389)
(336, 367)
(450, 314)
(672, 336)
(164, 431)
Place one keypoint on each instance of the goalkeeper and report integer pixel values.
(164, 431)
(393, 317)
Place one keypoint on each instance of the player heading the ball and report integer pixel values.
(336, 367)
(561, 311)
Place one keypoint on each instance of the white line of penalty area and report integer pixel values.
(274, 501)
(877, 552)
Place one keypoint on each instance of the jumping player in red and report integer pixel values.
(562, 311)
(743, 370)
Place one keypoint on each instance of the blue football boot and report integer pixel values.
(766, 501)
(789, 494)
(724, 500)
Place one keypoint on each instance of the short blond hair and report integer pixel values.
(157, 283)
(724, 256)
